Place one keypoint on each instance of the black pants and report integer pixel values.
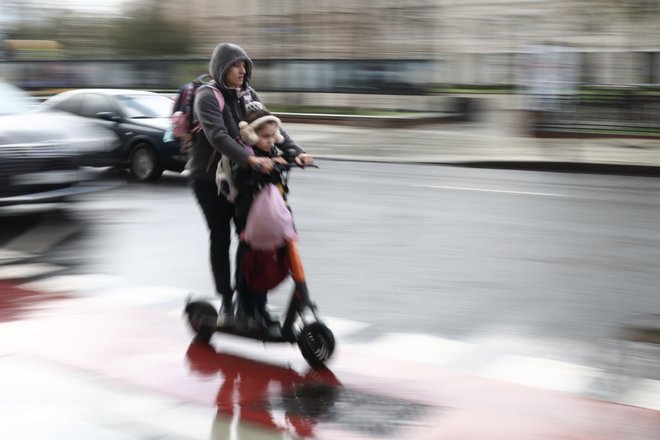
(218, 213)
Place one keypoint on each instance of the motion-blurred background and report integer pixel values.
(565, 57)
(447, 287)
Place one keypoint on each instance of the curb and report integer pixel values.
(370, 121)
(569, 167)
(546, 166)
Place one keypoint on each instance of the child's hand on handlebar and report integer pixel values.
(262, 164)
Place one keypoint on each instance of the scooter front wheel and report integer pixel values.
(202, 318)
(316, 343)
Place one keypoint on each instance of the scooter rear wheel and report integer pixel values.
(202, 318)
(316, 343)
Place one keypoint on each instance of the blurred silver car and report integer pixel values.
(40, 150)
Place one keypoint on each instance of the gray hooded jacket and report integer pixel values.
(219, 129)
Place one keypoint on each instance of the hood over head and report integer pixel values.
(224, 56)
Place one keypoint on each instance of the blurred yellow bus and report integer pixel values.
(33, 49)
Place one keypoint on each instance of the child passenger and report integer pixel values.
(261, 130)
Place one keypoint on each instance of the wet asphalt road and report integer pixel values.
(560, 263)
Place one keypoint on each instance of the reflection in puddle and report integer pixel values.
(282, 399)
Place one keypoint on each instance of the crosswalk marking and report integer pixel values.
(645, 394)
(71, 283)
(342, 328)
(541, 373)
(20, 271)
(52, 395)
(11, 256)
(416, 347)
(145, 295)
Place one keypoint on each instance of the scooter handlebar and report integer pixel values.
(290, 165)
(279, 167)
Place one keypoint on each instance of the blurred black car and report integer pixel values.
(140, 120)
(41, 151)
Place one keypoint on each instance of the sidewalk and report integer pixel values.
(496, 139)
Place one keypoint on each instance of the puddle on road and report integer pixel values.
(351, 409)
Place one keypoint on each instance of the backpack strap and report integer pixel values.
(188, 95)
(181, 96)
(218, 97)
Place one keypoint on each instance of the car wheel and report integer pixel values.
(144, 163)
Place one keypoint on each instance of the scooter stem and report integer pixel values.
(295, 262)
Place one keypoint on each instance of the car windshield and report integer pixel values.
(14, 100)
(145, 106)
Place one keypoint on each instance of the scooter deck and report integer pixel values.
(272, 334)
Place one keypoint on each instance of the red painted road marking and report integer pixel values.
(151, 350)
(16, 302)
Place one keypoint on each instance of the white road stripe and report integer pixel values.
(145, 295)
(11, 256)
(541, 373)
(645, 394)
(415, 347)
(22, 271)
(72, 283)
(458, 188)
(67, 403)
(342, 328)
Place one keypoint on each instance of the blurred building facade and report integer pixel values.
(471, 41)
(460, 41)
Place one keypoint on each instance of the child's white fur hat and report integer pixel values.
(249, 131)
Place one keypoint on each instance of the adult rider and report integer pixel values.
(231, 68)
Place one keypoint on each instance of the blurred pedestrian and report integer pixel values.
(231, 68)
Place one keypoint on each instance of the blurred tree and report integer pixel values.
(143, 31)
(37, 29)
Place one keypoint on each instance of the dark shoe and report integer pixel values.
(267, 317)
(225, 316)
(245, 318)
(257, 324)
(253, 321)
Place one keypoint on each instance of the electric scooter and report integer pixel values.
(302, 324)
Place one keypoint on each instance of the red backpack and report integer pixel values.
(265, 269)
